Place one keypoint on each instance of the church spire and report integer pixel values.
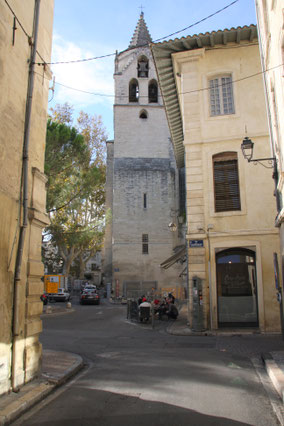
(141, 34)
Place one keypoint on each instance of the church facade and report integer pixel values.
(142, 191)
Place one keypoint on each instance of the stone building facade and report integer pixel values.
(270, 19)
(214, 97)
(142, 179)
(22, 184)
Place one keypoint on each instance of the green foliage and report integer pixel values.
(75, 167)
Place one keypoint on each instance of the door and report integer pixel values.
(236, 288)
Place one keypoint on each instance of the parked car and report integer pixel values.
(61, 296)
(44, 298)
(88, 287)
(90, 296)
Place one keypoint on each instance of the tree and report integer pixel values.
(75, 168)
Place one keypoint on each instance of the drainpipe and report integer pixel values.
(275, 170)
(210, 278)
(24, 197)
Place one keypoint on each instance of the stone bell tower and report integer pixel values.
(142, 184)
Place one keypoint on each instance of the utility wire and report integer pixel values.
(182, 93)
(15, 16)
(146, 44)
(84, 91)
(198, 22)
(24, 31)
(234, 81)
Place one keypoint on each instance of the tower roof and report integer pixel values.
(141, 34)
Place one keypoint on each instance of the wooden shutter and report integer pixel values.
(226, 182)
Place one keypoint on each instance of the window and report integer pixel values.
(143, 114)
(133, 91)
(145, 240)
(145, 201)
(221, 96)
(153, 91)
(143, 67)
(226, 182)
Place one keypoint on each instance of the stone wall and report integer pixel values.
(20, 350)
(143, 166)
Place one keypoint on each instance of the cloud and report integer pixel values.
(94, 76)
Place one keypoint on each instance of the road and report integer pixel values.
(137, 376)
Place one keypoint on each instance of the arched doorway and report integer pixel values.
(236, 288)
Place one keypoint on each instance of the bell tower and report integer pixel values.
(142, 188)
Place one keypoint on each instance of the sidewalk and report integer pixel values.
(273, 359)
(57, 368)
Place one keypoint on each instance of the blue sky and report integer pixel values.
(88, 28)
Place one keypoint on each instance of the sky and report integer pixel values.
(91, 28)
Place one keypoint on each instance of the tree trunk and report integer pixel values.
(82, 266)
(68, 257)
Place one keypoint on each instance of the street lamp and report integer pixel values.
(247, 150)
(172, 226)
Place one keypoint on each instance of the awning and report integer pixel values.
(180, 254)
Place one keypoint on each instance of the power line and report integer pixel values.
(234, 81)
(19, 22)
(84, 91)
(23, 29)
(198, 22)
(182, 93)
(146, 44)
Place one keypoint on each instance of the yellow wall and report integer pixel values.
(23, 350)
(204, 136)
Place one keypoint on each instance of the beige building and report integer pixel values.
(26, 27)
(270, 18)
(213, 94)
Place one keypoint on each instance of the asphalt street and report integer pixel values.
(137, 376)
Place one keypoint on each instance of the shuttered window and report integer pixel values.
(226, 182)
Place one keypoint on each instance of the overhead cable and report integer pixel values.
(146, 44)
(182, 93)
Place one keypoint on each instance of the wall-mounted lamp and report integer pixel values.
(247, 150)
(172, 226)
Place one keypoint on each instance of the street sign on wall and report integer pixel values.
(195, 243)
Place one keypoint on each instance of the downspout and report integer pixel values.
(210, 279)
(24, 198)
(275, 170)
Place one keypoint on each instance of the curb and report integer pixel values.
(68, 373)
(16, 408)
(275, 374)
(54, 313)
(36, 391)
